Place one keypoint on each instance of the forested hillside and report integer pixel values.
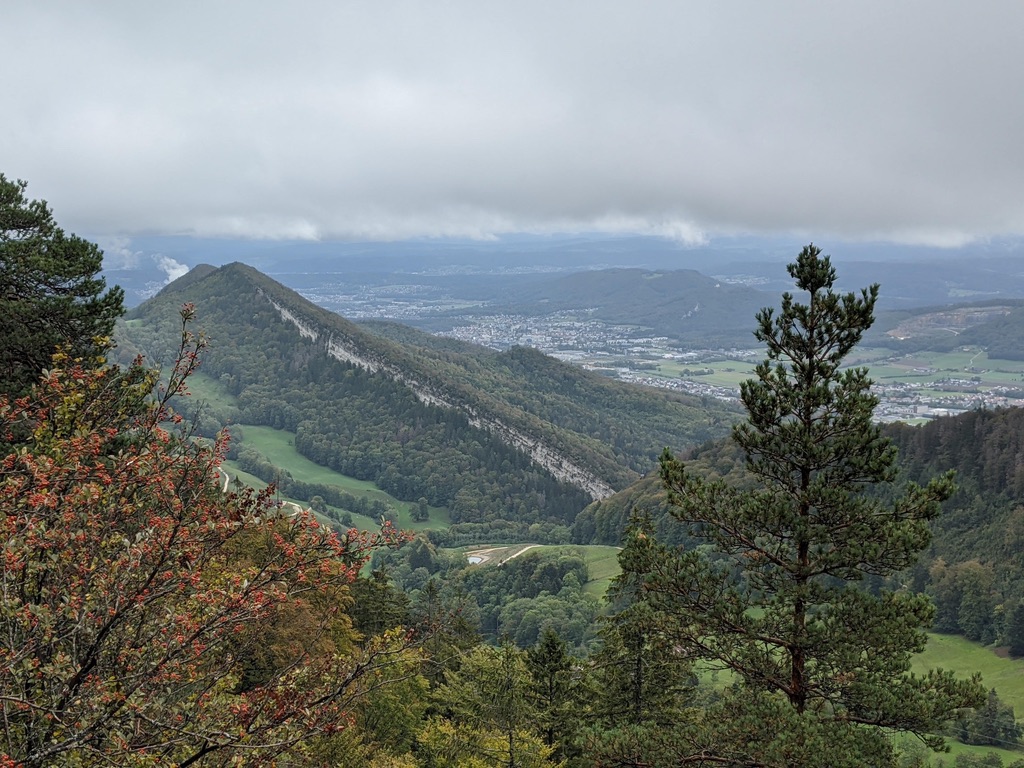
(1003, 337)
(996, 326)
(974, 567)
(419, 419)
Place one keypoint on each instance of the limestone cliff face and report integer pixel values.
(344, 349)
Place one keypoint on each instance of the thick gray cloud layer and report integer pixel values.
(390, 119)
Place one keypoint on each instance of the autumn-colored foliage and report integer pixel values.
(147, 615)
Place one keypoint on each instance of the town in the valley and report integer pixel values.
(911, 388)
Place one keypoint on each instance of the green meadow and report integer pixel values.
(603, 566)
(956, 748)
(251, 481)
(964, 657)
(602, 561)
(208, 389)
(278, 446)
(725, 372)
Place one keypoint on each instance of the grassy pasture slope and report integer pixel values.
(603, 564)
(956, 748)
(251, 481)
(207, 389)
(965, 657)
(279, 448)
(959, 654)
(602, 561)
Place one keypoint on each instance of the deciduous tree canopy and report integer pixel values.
(147, 616)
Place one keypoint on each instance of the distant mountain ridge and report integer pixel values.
(681, 303)
(910, 275)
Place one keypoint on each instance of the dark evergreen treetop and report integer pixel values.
(50, 294)
(824, 665)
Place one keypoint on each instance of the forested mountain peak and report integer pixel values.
(454, 425)
(182, 283)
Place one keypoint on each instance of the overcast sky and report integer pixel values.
(878, 120)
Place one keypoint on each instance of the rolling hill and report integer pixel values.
(489, 436)
(683, 304)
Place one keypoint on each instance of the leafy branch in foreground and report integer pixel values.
(145, 614)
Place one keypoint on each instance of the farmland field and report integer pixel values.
(959, 379)
(602, 561)
(251, 481)
(714, 370)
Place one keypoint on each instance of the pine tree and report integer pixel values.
(642, 686)
(489, 717)
(50, 294)
(822, 665)
(992, 724)
(553, 690)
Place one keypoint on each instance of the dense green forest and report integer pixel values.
(975, 567)
(515, 601)
(1003, 337)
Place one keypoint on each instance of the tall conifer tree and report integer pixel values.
(822, 666)
(50, 291)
